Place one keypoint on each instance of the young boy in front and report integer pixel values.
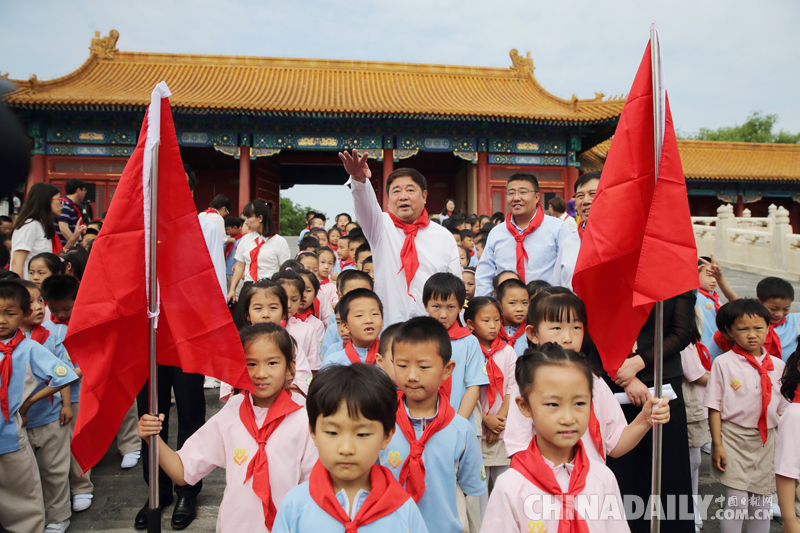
(361, 315)
(513, 297)
(24, 364)
(347, 281)
(444, 295)
(777, 296)
(351, 415)
(434, 453)
(468, 243)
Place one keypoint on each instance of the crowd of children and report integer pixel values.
(448, 422)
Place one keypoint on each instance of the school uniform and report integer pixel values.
(693, 393)
(325, 311)
(706, 311)
(215, 250)
(734, 389)
(788, 333)
(494, 455)
(473, 258)
(307, 349)
(21, 491)
(566, 261)
(317, 334)
(521, 343)
(212, 215)
(520, 430)
(331, 336)
(224, 442)
(787, 460)
(301, 512)
(272, 253)
(334, 348)
(436, 252)
(500, 253)
(328, 292)
(453, 463)
(341, 357)
(230, 259)
(468, 372)
(509, 508)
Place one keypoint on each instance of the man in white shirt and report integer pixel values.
(558, 209)
(216, 213)
(406, 248)
(585, 189)
(527, 243)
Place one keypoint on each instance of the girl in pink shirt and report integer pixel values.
(308, 348)
(744, 400)
(787, 460)
(555, 469)
(484, 318)
(261, 438)
(557, 315)
(327, 288)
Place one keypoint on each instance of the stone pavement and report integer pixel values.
(119, 494)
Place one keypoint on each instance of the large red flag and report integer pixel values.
(108, 332)
(639, 245)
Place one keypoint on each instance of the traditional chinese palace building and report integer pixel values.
(251, 126)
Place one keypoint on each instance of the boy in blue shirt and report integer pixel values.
(346, 282)
(513, 297)
(777, 296)
(233, 229)
(707, 302)
(434, 453)
(351, 414)
(361, 315)
(23, 361)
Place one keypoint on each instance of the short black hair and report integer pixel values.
(13, 290)
(233, 222)
(191, 177)
(743, 307)
(365, 389)
(54, 263)
(583, 178)
(289, 277)
(5, 218)
(343, 215)
(312, 278)
(73, 185)
(496, 279)
(310, 214)
(773, 287)
(507, 285)
(320, 216)
(99, 223)
(220, 201)
(536, 286)
(422, 330)
(442, 285)
(481, 241)
(467, 233)
(91, 231)
(387, 336)
(367, 261)
(279, 336)
(358, 239)
(308, 242)
(326, 249)
(356, 232)
(60, 287)
(415, 175)
(347, 300)
(476, 304)
(498, 215)
(318, 230)
(347, 276)
(524, 176)
(452, 228)
(364, 248)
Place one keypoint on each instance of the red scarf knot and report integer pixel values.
(766, 386)
(773, 343)
(304, 315)
(229, 246)
(581, 230)
(533, 225)
(54, 319)
(324, 281)
(408, 253)
(259, 241)
(6, 366)
(456, 331)
(352, 355)
(512, 340)
(704, 355)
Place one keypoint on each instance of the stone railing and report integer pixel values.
(762, 245)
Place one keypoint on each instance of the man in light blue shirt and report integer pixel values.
(544, 236)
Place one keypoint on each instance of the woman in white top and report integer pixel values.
(260, 253)
(35, 232)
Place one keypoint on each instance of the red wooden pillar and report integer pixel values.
(739, 205)
(38, 171)
(388, 168)
(484, 189)
(244, 178)
(572, 177)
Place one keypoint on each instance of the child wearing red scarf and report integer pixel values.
(431, 442)
(556, 394)
(512, 295)
(707, 303)
(311, 307)
(744, 401)
(351, 413)
(787, 460)
(361, 316)
(327, 288)
(308, 346)
(260, 438)
(483, 317)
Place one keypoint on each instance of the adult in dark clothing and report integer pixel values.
(634, 469)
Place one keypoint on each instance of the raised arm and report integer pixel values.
(365, 204)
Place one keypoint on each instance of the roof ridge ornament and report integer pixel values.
(105, 47)
(522, 67)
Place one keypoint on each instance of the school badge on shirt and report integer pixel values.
(60, 371)
(484, 370)
(239, 456)
(394, 459)
(483, 473)
(736, 384)
(709, 306)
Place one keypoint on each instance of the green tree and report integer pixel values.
(293, 215)
(756, 129)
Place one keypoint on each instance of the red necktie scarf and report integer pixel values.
(324, 282)
(766, 386)
(258, 468)
(522, 255)
(315, 307)
(581, 230)
(254, 257)
(796, 398)
(496, 377)
(704, 355)
(724, 344)
(773, 343)
(6, 366)
(512, 340)
(351, 353)
(304, 315)
(229, 246)
(711, 296)
(40, 334)
(347, 263)
(408, 253)
(333, 247)
(56, 245)
(385, 497)
(412, 475)
(54, 319)
(531, 464)
(456, 332)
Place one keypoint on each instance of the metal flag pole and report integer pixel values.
(154, 516)
(658, 355)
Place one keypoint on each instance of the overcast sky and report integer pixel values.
(722, 59)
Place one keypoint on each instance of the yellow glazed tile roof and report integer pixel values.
(711, 160)
(262, 84)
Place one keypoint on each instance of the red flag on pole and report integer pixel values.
(639, 247)
(108, 333)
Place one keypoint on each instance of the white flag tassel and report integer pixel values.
(153, 139)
